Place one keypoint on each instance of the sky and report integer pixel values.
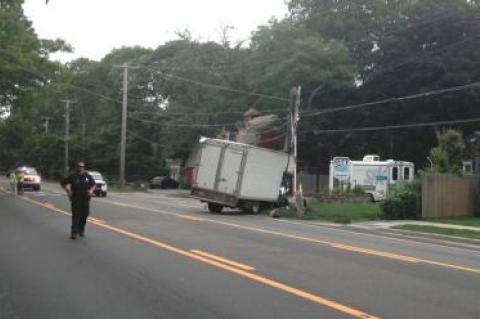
(95, 27)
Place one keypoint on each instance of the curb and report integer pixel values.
(453, 239)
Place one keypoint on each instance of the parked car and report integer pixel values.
(31, 178)
(101, 187)
(163, 182)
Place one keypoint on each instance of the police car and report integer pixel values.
(101, 187)
(31, 178)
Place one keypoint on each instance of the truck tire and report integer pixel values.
(252, 207)
(215, 208)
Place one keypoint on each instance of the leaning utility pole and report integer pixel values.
(67, 133)
(295, 94)
(123, 145)
(295, 119)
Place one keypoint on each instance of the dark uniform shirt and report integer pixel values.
(79, 184)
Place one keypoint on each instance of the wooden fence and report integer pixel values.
(448, 195)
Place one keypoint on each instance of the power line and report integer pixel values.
(198, 125)
(144, 139)
(395, 99)
(393, 127)
(214, 86)
(202, 113)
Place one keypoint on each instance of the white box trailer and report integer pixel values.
(230, 174)
(370, 174)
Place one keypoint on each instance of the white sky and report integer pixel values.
(95, 27)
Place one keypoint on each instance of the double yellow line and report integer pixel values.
(350, 248)
(239, 269)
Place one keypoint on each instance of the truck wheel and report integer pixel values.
(252, 207)
(215, 208)
(256, 208)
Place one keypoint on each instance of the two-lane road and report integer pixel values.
(155, 256)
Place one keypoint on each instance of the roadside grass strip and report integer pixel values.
(464, 233)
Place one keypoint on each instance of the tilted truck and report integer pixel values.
(237, 175)
(371, 174)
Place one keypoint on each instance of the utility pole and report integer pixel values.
(46, 124)
(83, 132)
(67, 133)
(295, 94)
(123, 144)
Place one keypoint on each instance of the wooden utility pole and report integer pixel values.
(123, 144)
(295, 94)
(67, 134)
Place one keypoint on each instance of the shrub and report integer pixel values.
(404, 202)
(357, 190)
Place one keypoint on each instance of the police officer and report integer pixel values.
(20, 180)
(81, 188)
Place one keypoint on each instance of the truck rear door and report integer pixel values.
(230, 170)
(208, 166)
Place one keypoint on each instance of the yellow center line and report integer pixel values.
(243, 273)
(355, 249)
(93, 219)
(222, 260)
(198, 219)
(118, 203)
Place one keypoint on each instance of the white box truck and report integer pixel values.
(231, 174)
(370, 174)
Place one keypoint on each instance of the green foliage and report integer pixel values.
(403, 202)
(357, 190)
(447, 156)
(340, 52)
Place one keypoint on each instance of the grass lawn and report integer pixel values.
(339, 213)
(462, 220)
(442, 231)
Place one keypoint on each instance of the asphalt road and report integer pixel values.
(157, 256)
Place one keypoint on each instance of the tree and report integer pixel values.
(447, 156)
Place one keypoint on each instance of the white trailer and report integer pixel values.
(370, 174)
(230, 174)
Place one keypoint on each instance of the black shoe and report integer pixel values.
(82, 234)
(73, 236)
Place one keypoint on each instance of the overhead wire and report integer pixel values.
(214, 86)
(393, 127)
(394, 99)
(197, 125)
